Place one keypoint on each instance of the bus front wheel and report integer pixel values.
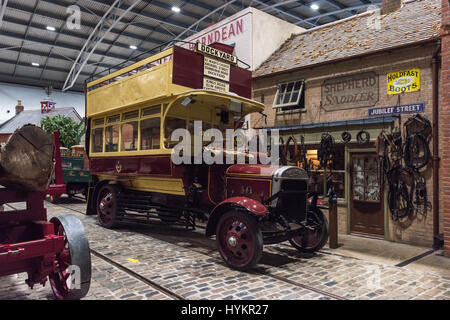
(107, 206)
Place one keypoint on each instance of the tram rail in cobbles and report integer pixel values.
(137, 276)
(218, 260)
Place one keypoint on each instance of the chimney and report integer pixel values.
(19, 107)
(389, 6)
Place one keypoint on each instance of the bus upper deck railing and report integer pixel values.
(132, 60)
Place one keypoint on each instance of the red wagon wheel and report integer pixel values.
(107, 205)
(239, 240)
(72, 279)
(315, 235)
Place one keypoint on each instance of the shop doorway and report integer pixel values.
(366, 196)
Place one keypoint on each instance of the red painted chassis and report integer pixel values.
(26, 252)
(55, 250)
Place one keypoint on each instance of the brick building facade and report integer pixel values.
(341, 72)
(444, 125)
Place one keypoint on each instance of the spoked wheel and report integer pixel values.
(72, 279)
(239, 240)
(107, 205)
(315, 235)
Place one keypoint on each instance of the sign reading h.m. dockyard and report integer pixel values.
(216, 68)
(201, 48)
(355, 91)
(403, 81)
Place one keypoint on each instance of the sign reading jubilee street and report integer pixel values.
(406, 108)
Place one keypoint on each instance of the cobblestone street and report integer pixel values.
(149, 262)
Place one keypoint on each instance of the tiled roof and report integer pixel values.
(416, 21)
(32, 117)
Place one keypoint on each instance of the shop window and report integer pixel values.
(316, 183)
(290, 96)
(112, 138)
(129, 136)
(150, 134)
(97, 140)
(321, 180)
(365, 179)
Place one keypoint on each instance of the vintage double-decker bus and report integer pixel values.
(131, 114)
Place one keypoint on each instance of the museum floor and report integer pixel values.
(148, 262)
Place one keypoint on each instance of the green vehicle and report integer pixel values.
(76, 178)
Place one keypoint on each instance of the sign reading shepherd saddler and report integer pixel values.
(403, 81)
(355, 91)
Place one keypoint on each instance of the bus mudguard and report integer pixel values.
(249, 205)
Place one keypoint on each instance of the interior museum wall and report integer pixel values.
(31, 98)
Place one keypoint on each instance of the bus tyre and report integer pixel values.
(107, 206)
(74, 257)
(315, 235)
(239, 240)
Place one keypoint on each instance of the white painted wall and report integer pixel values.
(269, 33)
(31, 98)
(256, 35)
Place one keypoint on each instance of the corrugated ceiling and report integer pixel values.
(24, 38)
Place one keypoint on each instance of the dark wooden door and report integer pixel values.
(366, 196)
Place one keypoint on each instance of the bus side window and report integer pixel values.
(170, 125)
(150, 133)
(112, 138)
(129, 136)
(97, 140)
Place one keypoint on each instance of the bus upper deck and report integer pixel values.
(134, 110)
(168, 73)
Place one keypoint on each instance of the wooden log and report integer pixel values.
(27, 160)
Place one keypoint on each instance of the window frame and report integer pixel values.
(138, 137)
(92, 145)
(120, 122)
(295, 103)
(91, 136)
(325, 172)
